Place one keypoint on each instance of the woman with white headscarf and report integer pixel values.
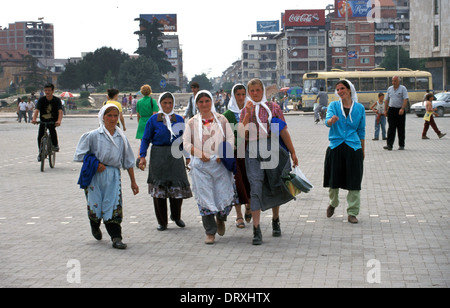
(167, 177)
(344, 161)
(109, 148)
(264, 127)
(235, 106)
(212, 182)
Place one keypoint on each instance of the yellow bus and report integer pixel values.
(367, 83)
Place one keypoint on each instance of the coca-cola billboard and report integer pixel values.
(304, 18)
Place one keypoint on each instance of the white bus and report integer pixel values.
(367, 83)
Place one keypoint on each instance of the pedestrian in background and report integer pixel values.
(145, 108)
(322, 97)
(113, 98)
(30, 108)
(22, 110)
(344, 160)
(380, 118)
(429, 118)
(167, 178)
(395, 104)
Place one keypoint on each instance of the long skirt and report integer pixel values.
(167, 176)
(212, 185)
(104, 196)
(343, 168)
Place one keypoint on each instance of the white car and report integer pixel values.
(442, 105)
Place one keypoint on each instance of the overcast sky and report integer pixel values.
(210, 32)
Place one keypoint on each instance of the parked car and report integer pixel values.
(442, 105)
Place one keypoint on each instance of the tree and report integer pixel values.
(390, 60)
(35, 76)
(152, 33)
(203, 81)
(70, 79)
(139, 71)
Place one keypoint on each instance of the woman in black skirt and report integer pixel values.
(345, 155)
(167, 177)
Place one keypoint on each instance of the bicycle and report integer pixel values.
(46, 147)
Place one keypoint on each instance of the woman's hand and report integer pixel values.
(142, 163)
(294, 160)
(204, 157)
(134, 188)
(333, 120)
(101, 168)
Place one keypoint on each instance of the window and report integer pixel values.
(366, 84)
(381, 84)
(355, 82)
(331, 84)
(436, 7)
(436, 36)
(364, 49)
(409, 83)
(312, 41)
(365, 60)
(339, 61)
(422, 83)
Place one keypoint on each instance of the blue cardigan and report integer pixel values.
(88, 170)
(351, 129)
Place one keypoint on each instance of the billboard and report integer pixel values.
(355, 8)
(268, 26)
(304, 18)
(337, 38)
(168, 21)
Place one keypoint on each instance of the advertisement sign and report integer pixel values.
(168, 21)
(304, 18)
(352, 55)
(355, 8)
(268, 26)
(337, 38)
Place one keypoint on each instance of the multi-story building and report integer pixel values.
(302, 45)
(36, 37)
(259, 58)
(430, 27)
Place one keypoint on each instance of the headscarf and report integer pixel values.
(167, 116)
(353, 96)
(213, 111)
(102, 128)
(257, 107)
(233, 105)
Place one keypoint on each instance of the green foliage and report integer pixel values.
(203, 81)
(84, 94)
(390, 60)
(137, 72)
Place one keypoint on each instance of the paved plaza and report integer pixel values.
(402, 239)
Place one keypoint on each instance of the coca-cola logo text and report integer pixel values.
(304, 18)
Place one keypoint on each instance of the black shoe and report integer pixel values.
(401, 148)
(55, 148)
(178, 222)
(97, 233)
(117, 243)
(276, 229)
(39, 157)
(161, 227)
(387, 148)
(257, 236)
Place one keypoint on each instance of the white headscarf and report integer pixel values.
(213, 111)
(102, 128)
(257, 107)
(167, 116)
(354, 97)
(233, 105)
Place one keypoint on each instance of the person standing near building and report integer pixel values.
(30, 108)
(22, 110)
(322, 97)
(395, 104)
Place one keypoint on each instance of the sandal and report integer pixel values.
(248, 215)
(240, 225)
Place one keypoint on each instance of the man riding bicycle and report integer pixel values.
(50, 109)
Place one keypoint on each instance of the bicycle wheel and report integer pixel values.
(43, 153)
(51, 154)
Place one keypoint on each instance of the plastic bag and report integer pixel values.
(300, 181)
